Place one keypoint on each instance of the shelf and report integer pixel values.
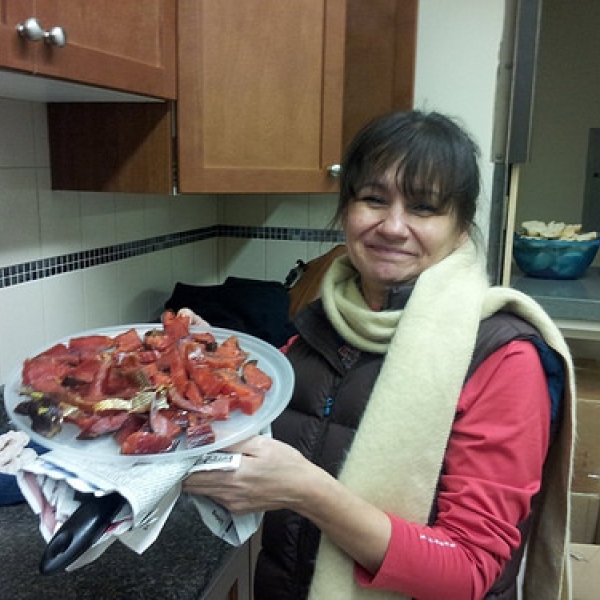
(573, 304)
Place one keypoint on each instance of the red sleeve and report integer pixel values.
(285, 348)
(492, 468)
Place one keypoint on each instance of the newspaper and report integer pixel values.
(54, 482)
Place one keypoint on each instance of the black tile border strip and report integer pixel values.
(75, 261)
(288, 234)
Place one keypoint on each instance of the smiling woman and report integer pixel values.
(424, 404)
(406, 200)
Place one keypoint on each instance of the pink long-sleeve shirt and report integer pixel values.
(492, 469)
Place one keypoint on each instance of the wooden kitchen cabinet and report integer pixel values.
(232, 582)
(125, 46)
(269, 94)
(261, 84)
(15, 53)
(235, 579)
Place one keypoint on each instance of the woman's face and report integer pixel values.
(392, 240)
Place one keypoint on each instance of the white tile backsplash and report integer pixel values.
(239, 257)
(156, 216)
(285, 210)
(40, 132)
(195, 263)
(98, 220)
(133, 290)
(246, 209)
(19, 215)
(21, 325)
(101, 285)
(192, 211)
(205, 256)
(158, 282)
(183, 263)
(64, 305)
(321, 209)
(60, 219)
(17, 148)
(281, 257)
(130, 217)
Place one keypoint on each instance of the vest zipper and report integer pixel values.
(327, 411)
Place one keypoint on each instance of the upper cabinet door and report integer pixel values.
(260, 94)
(15, 51)
(127, 46)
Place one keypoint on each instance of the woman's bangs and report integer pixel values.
(418, 176)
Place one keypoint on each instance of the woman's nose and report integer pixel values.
(394, 222)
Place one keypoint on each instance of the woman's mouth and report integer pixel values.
(391, 252)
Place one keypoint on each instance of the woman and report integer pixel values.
(408, 458)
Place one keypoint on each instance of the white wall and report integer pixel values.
(458, 46)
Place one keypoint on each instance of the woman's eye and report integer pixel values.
(423, 208)
(373, 200)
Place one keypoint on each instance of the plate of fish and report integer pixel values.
(149, 392)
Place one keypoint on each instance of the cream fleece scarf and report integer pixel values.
(410, 411)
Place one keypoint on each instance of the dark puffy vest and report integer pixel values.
(333, 384)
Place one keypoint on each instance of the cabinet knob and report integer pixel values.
(334, 170)
(56, 36)
(31, 30)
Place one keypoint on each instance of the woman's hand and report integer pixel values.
(272, 475)
(194, 318)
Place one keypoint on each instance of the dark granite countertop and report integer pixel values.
(577, 299)
(178, 566)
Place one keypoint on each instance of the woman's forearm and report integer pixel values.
(354, 525)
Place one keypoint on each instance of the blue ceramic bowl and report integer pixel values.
(554, 259)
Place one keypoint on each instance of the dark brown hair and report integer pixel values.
(429, 152)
